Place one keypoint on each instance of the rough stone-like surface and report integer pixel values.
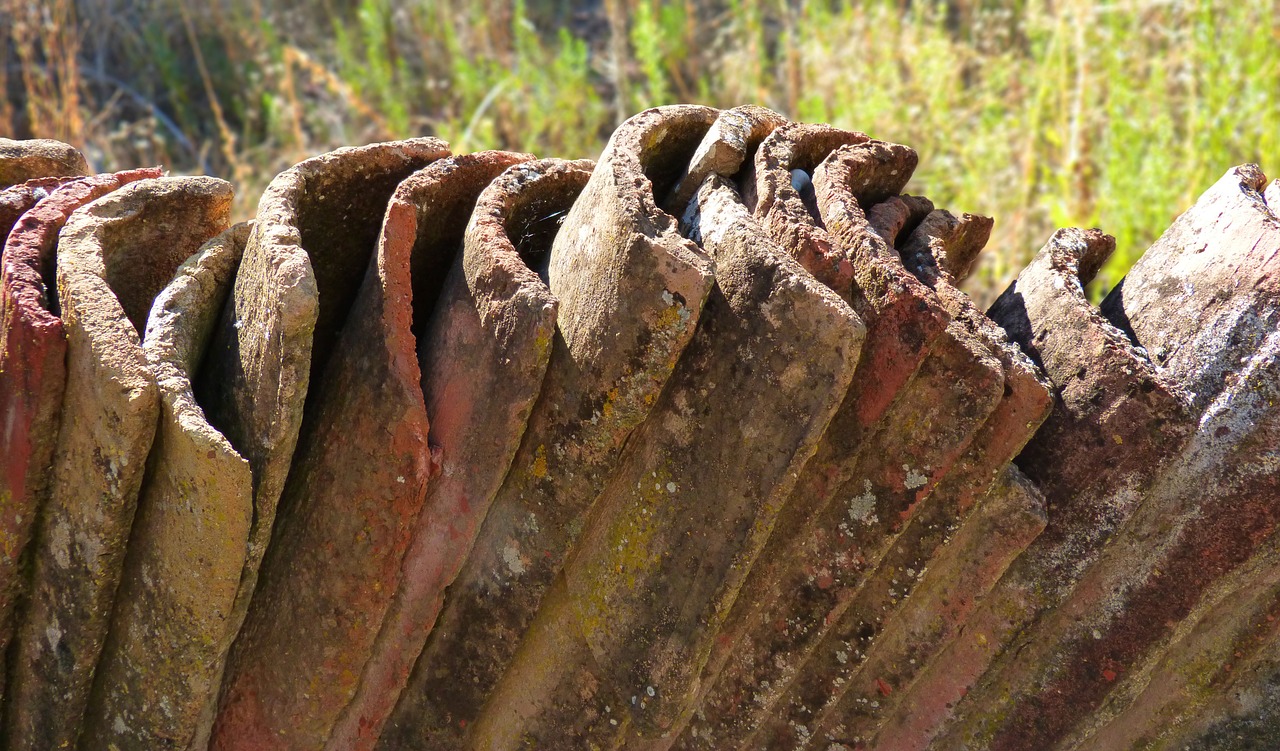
(1218, 653)
(791, 214)
(32, 377)
(16, 200)
(1241, 709)
(1216, 269)
(896, 217)
(939, 252)
(1120, 421)
(361, 466)
(813, 569)
(1207, 515)
(21, 161)
(630, 290)
(1024, 405)
(904, 318)
(776, 184)
(1204, 296)
(692, 501)
(170, 627)
(566, 479)
(114, 257)
(482, 357)
(934, 612)
(726, 148)
(793, 218)
(33, 366)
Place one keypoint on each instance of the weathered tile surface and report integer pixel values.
(834, 664)
(21, 161)
(693, 498)
(1093, 367)
(482, 356)
(1241, 714)
(728, 147)
(1216, 504)
(362, 462)
(33, 370)
(935, 611)
(630, 290)
(564, 478)
(811, 573)
(1216, 653)
(114, 256)
(1114, 414)
(170, 629)
(17, 200)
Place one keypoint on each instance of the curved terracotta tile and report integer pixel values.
(1202, 297)
(895, 218)
(33, 364)
(1237, 708)
(1205, 301)
(169, 634)
(482, 355)
(725, 150)
(114, 256)
(630, 291)
(1223, 653)
(933, 611)
(691, 503)
(795, 221)
(789, 211)
(16, 200)
(21, 161)
(818, 560)
(1118, 419)
(304, 359)
(854, 644)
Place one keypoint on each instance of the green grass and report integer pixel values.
(1110, 114)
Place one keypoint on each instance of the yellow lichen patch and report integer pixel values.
(629, 553)
(539, 468)
(607, 408)
(542, 344)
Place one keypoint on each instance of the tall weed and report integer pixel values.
(1113, 113)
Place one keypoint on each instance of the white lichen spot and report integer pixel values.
(668, 298)
(53, 634)
(1097, 634)
(862, 507)
(400, 479)
(802, 732)
(914, 479)
(842, 657)
(650, 691)
(511, 556)
(60, 541)
(119, 726)
(671, 487)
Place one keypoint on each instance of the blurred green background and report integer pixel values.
(1040, 114)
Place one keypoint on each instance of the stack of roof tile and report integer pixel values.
(700, 446)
